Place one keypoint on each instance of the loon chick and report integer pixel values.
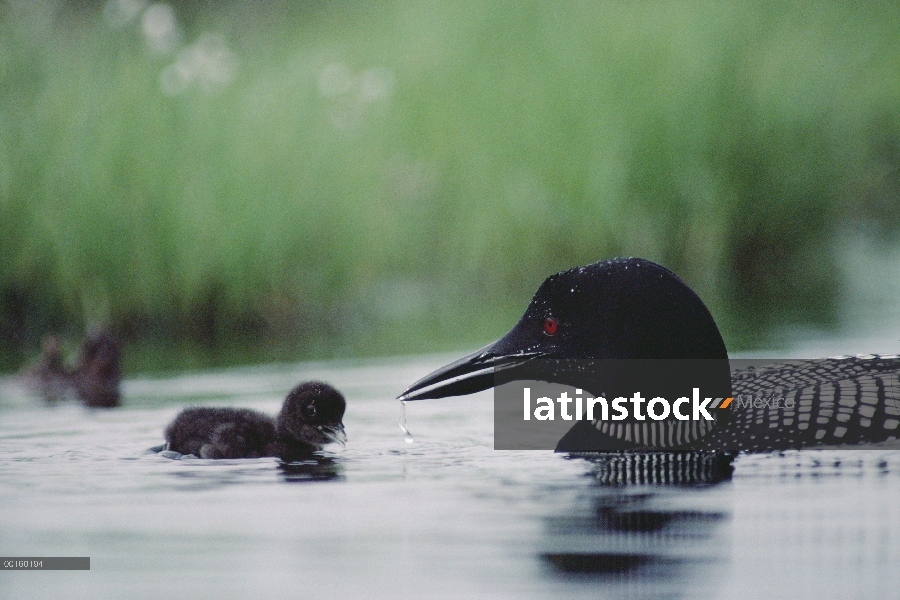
(631, 308)
(49, 376)
(95, 378)
(99, 369)
(310, 418)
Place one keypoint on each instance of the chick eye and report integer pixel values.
(550, 326)
(310, 410)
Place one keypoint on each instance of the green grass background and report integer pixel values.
(391, 177)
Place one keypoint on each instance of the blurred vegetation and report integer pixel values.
(239, 181)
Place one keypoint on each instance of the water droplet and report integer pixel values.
(408, 438)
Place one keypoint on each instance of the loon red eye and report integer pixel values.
(550, 326)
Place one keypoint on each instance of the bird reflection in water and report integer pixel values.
(654, 522)
(660, 468)
(314, 468)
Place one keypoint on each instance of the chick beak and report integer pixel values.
(334, 433)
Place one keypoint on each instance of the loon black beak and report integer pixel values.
(470, 374)
(335, 434)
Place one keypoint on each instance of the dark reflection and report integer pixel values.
(653, 523)
(596, 563)
(314, 468)
(660, 468)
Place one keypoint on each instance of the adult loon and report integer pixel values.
(631, 308)
(310, 418)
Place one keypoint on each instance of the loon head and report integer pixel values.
(312, 414)
(623, 308)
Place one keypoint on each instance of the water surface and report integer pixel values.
(446, 516)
